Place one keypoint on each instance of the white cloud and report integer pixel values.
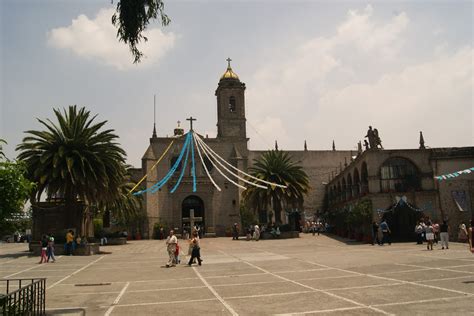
(435, 97)
(266, 132)
(95, 39)
(332, 87)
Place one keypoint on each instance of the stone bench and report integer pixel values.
(116, 241)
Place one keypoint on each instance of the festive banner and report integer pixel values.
(194, 141)
(454, 174)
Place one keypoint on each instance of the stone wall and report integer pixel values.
(449, 163)
(318, 164)
(54, 218)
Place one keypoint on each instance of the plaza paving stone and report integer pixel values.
(318, 275)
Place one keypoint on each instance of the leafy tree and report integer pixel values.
(14, 192)
(74, 159)
(132, 17)
(277, 167)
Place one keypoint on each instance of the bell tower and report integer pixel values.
(230, 105)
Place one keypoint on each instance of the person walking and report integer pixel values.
(256, 233)
(419, 233)
(429, 235)
(385, 232)
(436, 231)
(235, 232)
(171, 242)
(444, 235)
(176, 253)
(196, 252)
(471, 237)
(50, 250)
(462, 234)
(44, 248)
(69, 242)
(375, 233)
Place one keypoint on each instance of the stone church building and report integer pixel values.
(338, 178)
(219, 210)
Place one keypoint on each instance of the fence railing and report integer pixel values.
(22, 297)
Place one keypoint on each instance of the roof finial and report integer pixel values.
(154, 117)
(228, 62)
(422, 141)
(276, 145)
(333, 145)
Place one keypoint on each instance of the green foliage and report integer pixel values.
(132, 18)
(357, 220)
(277, 167)
(361, 214)
(158, 225)
(98, 226)
(247, 217)
(74, 158)
(15, 190)
(126, 208)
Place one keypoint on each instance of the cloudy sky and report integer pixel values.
(314, 70)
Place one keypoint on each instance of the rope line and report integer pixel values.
(153, 167)
(226, 169)
(205, 167)
(242, 172)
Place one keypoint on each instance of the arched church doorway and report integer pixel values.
(402, 221)
(192, 213)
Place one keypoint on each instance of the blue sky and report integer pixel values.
(314, 70)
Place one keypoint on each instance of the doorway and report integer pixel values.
(402, 221)
(195, 204)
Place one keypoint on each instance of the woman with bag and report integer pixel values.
(196, 252)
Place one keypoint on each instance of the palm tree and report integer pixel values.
(74, 159)
(126, 208)
(277, 167)
(2, 141)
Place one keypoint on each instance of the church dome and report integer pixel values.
(229, 73)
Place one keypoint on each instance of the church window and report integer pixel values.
(399, 175)
(232, 106)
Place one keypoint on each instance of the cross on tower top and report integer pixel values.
(191, 119)
(228, 62)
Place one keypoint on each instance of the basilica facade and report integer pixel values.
(215, 211)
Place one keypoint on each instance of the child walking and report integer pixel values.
(44, 247)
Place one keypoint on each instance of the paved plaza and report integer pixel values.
(308, 275)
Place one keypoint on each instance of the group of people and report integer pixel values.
(47, 244)
(382, 228)
(254, 232)
(432, 232)
(47, 249)
(173, 248)
(315, 227)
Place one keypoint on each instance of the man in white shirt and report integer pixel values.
(171, 242)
